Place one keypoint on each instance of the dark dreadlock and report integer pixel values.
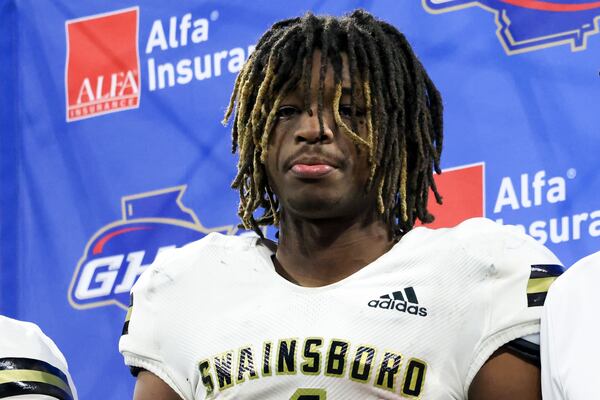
(403, 111)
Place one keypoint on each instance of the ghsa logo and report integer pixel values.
(102, 71)
(528, 25)
(119, 252)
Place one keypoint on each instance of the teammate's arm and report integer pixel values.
(505, 376)
(150, 387)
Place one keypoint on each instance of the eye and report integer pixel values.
(345, 111)
(286, 112)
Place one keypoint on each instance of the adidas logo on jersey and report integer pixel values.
(401, 300)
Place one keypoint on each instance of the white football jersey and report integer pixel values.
(31, 366)
(215, 320)
(570, 331)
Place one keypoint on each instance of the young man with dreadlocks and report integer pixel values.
(339, 130)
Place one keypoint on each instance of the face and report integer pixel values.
(319, 175)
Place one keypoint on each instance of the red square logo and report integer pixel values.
(463, 192)
(102, 72)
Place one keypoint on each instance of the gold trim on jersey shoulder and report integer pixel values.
(538, 285)
(18, 376)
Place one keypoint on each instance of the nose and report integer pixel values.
(309, 129)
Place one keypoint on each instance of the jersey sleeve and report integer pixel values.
(551, 384)
(569, 335)
(517, 273)
(155, 318)
(144, 329)
(31, 365)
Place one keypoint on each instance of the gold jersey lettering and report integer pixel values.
(286, 357)
(291, 356)
(246, 365)
(223, 364)
(386, 377)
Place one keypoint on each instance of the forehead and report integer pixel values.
(295, 77)
(316, 65)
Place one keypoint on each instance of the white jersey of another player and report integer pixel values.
(570, 333)
(31, 366)
(215, 320)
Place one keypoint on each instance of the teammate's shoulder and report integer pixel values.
(585, 267)
(25, 338)
(14, 325)
(582, 275)
(28, 352)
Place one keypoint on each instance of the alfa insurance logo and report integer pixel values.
(102, 70)
(463, 192)
(528, 25)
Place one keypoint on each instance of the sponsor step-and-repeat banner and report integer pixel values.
(112, 149)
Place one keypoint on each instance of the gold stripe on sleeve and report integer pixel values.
(540, 285)
(27, 375)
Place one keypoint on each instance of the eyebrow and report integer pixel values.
(346, 91)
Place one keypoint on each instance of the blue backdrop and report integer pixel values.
(112, 149)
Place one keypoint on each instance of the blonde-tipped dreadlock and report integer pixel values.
(403, 111)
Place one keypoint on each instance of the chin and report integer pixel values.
(315, 207)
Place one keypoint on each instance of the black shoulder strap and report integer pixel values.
(525, 350)
(28, 376)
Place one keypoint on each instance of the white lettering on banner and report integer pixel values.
(177, 33)
(507, 195)
(563, 229)
(538, 191)
(200, 68)
(106, 278)
(180, 32)
(135, 268)
(125, 82)
(104, 271)
(112, 104)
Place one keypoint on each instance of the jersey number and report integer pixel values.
(309, 394)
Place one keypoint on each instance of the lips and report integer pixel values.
(311, 171)
(312, 167)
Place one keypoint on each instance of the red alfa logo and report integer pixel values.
(102, 73)
(463, 192)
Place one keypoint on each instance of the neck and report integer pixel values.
(319, 252)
